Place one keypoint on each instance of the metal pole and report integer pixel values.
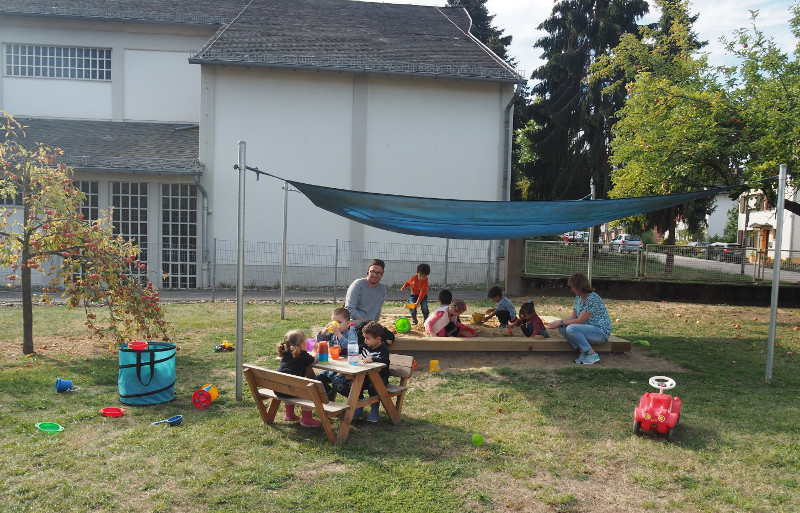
(446, 256)
(335, 271)
(488, 265)
(283, 262)
(240, 273)
(214, 272)
(776, 271)
(591, 239)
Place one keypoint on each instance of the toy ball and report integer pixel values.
(477, 440)
(402, 324)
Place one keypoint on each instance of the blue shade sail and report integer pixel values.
(484, 220)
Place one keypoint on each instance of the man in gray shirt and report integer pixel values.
(365, 296)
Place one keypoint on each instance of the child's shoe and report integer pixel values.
(308, 420)
(504, 326)
(580, 357)
(290, 415)
(373, 416)
(358, 413)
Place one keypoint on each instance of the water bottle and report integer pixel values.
(352, 346)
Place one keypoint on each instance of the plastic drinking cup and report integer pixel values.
(334, 350)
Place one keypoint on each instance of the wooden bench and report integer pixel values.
(304, 392)
(400, 366)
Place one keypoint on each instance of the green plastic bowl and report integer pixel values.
(50, 427)
(402, 324)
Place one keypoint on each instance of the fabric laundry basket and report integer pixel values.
(147, 376)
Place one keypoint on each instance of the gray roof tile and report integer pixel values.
(123, 146)
(350, 35)
(192, 12)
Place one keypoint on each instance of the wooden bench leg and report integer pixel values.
(352, 400)
(387, 402)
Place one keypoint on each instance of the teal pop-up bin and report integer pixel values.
(146, 376)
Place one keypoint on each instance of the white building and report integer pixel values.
(758, 220)
(149, 99)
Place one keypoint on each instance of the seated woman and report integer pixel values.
(589, 324)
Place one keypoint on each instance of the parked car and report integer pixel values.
(626, 242)
(727, 252)
(699, 248)
(575, 236)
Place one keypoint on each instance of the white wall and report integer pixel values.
(719, 218)
(151, 78)
(161, 86)
(417, 137)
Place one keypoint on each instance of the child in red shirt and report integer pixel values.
(530, 323)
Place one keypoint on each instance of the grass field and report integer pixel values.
(555, 440)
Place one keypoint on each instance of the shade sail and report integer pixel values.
(483, 220)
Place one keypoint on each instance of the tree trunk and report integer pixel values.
(27, 306)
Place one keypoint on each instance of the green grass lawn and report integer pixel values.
(555, 440)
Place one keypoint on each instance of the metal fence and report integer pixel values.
(329, 269)
(657, 262)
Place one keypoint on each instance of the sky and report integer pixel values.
(519, 18)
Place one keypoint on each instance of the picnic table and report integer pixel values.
(358, 373)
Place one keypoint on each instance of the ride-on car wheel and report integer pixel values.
(637, 427)
(671, 434)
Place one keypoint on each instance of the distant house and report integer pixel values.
(149, 99)
(758, 221)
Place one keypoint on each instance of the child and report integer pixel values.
(504, 311)
(418, 285)
(337, 332)
(445, 297)
(529, 322)
(444, 320)
(294, 360)
(374, 350)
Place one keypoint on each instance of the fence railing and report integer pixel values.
(657, 262)
(327, 270)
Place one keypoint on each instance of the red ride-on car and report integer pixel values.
(658, 409)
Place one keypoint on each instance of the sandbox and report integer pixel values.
(490, 338)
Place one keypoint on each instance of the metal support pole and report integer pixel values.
(240, 273)
(283, 262)
(591, 239)
(776, 270)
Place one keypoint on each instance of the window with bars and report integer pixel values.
(57, 62)
(130, 215)
(91, 205)
(11, 200)
(179, 236)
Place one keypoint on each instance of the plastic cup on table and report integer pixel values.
(334, 351)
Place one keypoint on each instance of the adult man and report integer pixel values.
(365, 296)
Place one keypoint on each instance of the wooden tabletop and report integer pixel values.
(341, 365)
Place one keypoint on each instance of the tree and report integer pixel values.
(657, 65)
(98, 269)
(570, 134)
(686, 125)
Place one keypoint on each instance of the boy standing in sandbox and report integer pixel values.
(418, 285)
